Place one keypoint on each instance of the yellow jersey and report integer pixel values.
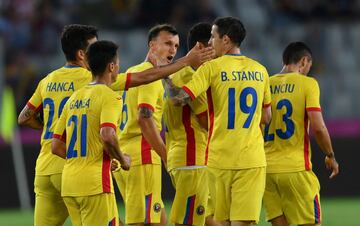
(185, 138)
(132, 140)
(87, 167)
(50, 96)
(237, 88)
(287, 144)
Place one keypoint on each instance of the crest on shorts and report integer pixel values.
(200, 210)
(157, 207)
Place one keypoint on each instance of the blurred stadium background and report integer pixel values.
(30, 48)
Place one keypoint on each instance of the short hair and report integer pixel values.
(200, 32)
(232, 27)
(154, 31)
(75, 37)
(99, 55)
(294, 52)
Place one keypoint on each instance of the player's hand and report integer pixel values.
(115, 165)
(125, 165)
(331, 164)
(197, 55)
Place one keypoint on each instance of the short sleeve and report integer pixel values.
(199, 105)
(59, 131)
(110, 111)
(148, 95)
(267, 93)
(35, 102)
(312, 98)
(122, 82)
(200, 81)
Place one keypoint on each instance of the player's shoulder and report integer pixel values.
(140, 67)
(254, 63)
(182, 76)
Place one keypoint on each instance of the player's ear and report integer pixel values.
(111, 66)
(80, 54)
(226, 39)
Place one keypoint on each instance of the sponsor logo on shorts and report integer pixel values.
(200, 210)
(157, 207)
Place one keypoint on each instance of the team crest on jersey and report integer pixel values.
(157, 207)
(200, 210)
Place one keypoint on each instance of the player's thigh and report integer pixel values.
(272, 199)
(120, 179)
(191, 196)
(143, 194)
(99, 209)
(210, 210)
(301, 198)
(73, 206)
(50, 208)
(221, 193)
(247, 190)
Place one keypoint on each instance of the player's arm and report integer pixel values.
(151, 132)
(266, 114)
(29, 117)
(313, 110)
(196, 56)
(58, 147)
(322, 138)
(203, 119)
(111, 144)
(58, 144)
(198, 84)
(266, 110)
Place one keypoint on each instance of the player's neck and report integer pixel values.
(101, 80)
(290, 69)
(75, 64)
(234, 50)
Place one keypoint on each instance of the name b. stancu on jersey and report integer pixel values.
(60, 87)
(242, 76)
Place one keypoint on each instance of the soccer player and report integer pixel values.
(51, 95)
(186, 136)
(239, 98)
(140, 136)
(292, 189)
(90, 120)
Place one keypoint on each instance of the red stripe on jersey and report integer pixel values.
(128, 80)
(106, 173)
(108, 124)
(145, 151)
(148, 106)
(313, 109)
(306, 143)
(188, 91)
(32, 107)
(211, 118)
(190, 136)
(202, 114)
(57, 136)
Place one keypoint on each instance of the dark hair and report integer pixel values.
(154, 31)
(99, 55)
(294, 52)
(232, 27)
(75, 37)
(200, 32)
